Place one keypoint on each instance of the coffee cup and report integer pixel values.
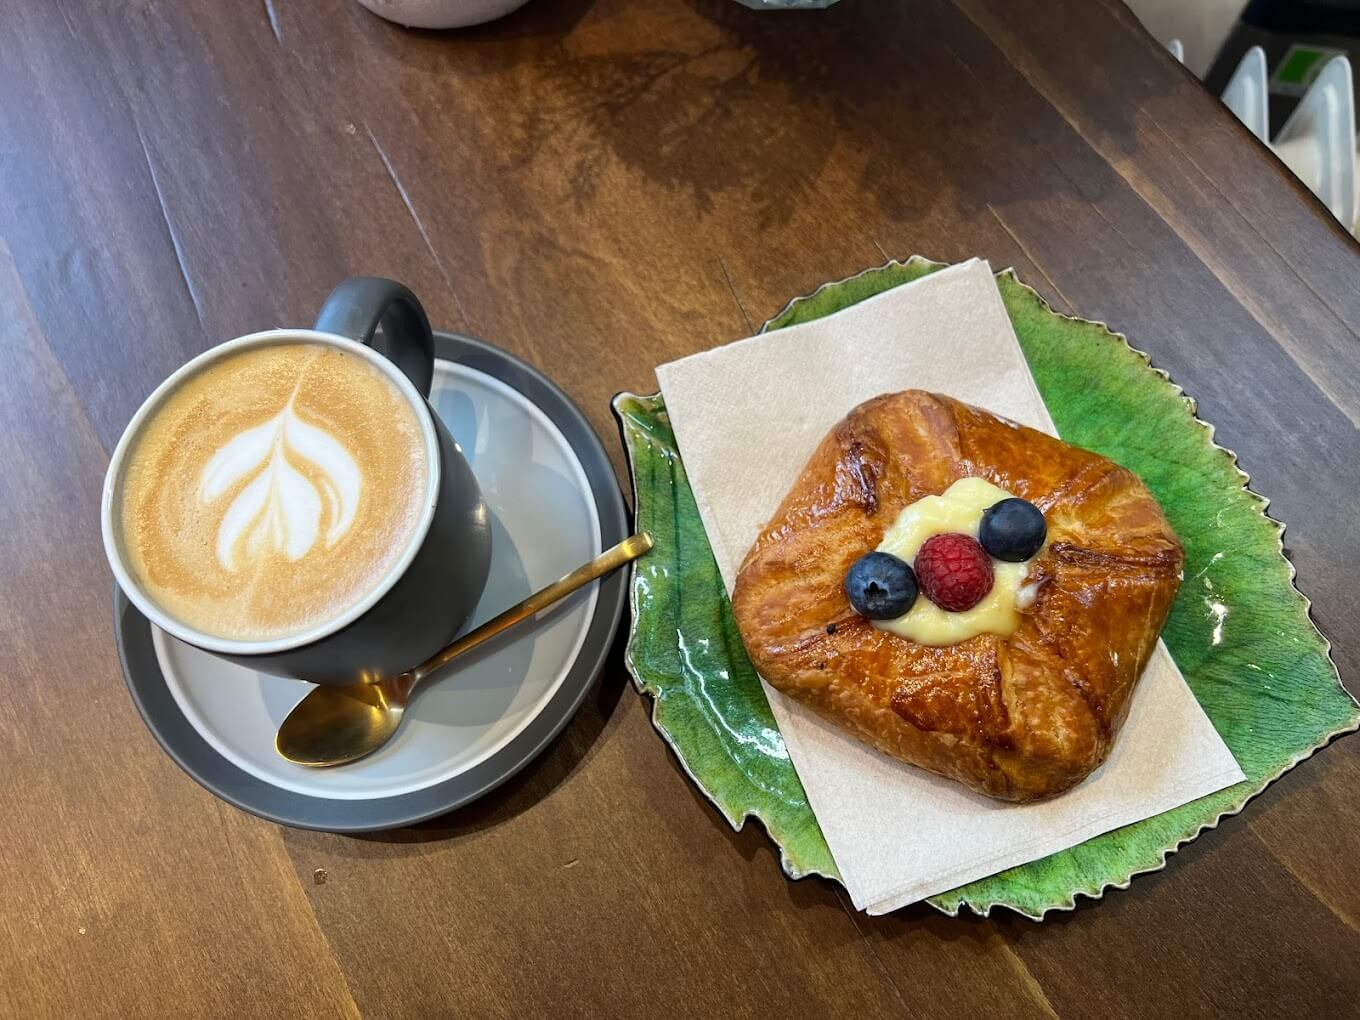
(289, 500)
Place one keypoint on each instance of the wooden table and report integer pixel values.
(599, 187)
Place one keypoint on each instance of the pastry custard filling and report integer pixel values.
(958, 509)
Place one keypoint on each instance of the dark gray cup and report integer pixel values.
(423, 605)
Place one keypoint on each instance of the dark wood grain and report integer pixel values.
(121, 878)
(599, 187)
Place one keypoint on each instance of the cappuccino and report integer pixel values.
(272, 491)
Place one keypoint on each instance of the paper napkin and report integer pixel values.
(747, 417)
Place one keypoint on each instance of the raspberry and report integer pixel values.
(953, 571)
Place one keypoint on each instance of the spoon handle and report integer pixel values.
(607, 562)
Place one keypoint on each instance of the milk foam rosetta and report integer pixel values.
(273, 490)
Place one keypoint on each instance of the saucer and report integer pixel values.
(554, 504)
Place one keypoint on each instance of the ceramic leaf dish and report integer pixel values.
(1239, 631)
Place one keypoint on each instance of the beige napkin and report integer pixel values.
(747, 417)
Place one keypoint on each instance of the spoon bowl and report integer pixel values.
(338, 725)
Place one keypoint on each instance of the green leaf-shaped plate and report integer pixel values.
(1239, 630)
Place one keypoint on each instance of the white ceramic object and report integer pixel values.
(1246, 94)
(1318, 141)
(441, 13)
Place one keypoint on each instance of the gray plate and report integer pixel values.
(555, 504)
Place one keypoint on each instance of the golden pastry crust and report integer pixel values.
(1018, 718)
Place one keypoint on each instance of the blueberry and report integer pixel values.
(880, 586)
(1013, 530)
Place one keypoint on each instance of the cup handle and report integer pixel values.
(359, 305)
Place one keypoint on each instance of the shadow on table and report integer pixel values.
(567, 752)
(916, 99)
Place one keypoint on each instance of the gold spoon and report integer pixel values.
(338, 725)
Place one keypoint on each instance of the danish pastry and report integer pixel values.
(970, 596)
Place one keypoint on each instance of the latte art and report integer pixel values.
(280, 510)
(273, 490)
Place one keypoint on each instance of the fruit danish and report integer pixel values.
(973, 597)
